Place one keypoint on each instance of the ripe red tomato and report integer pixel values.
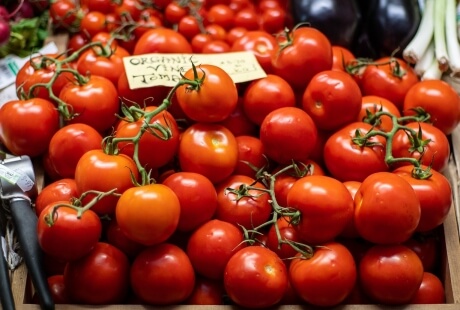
(68, 144)
(288, 233)
(27, 126)
(325, 279)
(390, 78)
(93, 22)
(433, 150)
(98, 171)
(341, 57)
(431, 291)
(57, 289)
(39, 70)
(325, 206)
(428, 248)
(372, 104)
(116, 237)
(211, 245)
(95, 102)
(434, 194)
(288, 134)
(251, 156)
(59, 190)
(387, 209)
(99, 278)
(243, 207)
(206, 292)
(197, 196)
(437, 98)
(148, 214)
(162, 40)
(162, 275)
(208, 149)
(265, 95)
(332, 99)
(188, 26)
(111, 67)
(390, 274)
(71, 236)
(199, 103)
(255, 277)
(347, 161)
(261, 43)
(306, 52)
(149, 144)
(238, 122)
(64, 14)
(221, 14)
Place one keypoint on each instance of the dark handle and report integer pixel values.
(25, 223)
(6, 295)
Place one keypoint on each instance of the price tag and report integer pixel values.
(17, 177)
(159, 69)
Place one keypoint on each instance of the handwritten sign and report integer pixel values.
(165, 69)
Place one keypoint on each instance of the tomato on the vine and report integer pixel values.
(60, 190)
(326, 278)
(373, 104)
(215, 85)
(162, 40)
(431, 291)
(148, 214)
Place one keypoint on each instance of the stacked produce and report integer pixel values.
(320, 183)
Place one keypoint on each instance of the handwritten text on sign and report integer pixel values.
(165, 69)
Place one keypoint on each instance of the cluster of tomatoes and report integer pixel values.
(318, 184)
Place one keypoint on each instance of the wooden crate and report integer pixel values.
(450, 274)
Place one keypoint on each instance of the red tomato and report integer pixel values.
(216, 46)
(188, 26)
(350, 229)
(248, 208)
(238, 122)
(132, 8)
(437, 98)
(387, 209)
(97, 171)
(372, 104)
(148, 214)
(390, 78)
(247, 18)
(93, 22)
(57, 289)
(261, 43)
(68, 144)
(325, 207)
(434, 194)
(341, 57)
(27, 126)
(40, 69)
(265, 95)
(110, 67)
(251, 156)
(431, 291)
(288, 134)
(200, 40)
(95, 102)
(216, 32)
(76, 41)
(255, 277)
(273, 20)
(199, 102)
(208, 149)
(59, 190)
(99, 278)
(348, 161)
(306, 52)
(148, 20)
(162, 275)
(222, 15)
(174, 12)
(211, 245)
(103, 6)
(149, 144)
(427, 247)
(64, 14)
(288, 233)
(197, 197)
(428, 144)
(162, 40)
(206, 292)
(116, 237)
(325, 279)
(390, 274)
(71, 235)
(332, 99)
(234, 34)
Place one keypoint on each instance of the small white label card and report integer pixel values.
(161, 69)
